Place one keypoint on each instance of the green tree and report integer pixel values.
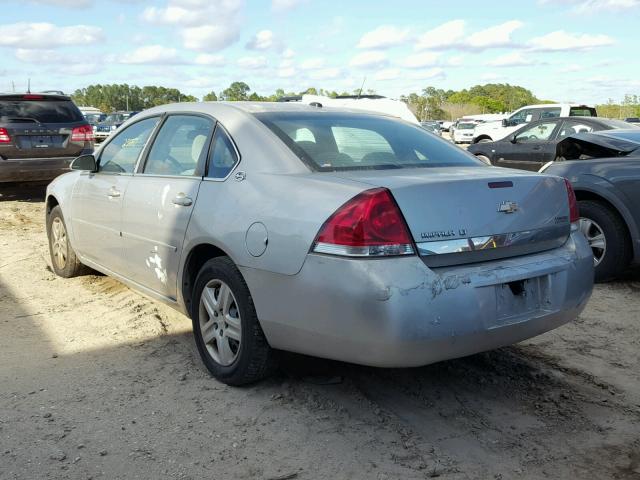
(237, 91)
(210, 97)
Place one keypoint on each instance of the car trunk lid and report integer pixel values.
(464, 215)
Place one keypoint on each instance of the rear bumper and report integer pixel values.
(399, 313)
(33, 169)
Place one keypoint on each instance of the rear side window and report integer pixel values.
(582, 112)
(223, 156)
(121, 154)
(550, 113)
(42, 111)
(179, 146)
(345, 141)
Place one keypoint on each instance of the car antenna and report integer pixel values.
(361, 87)
(29, 85)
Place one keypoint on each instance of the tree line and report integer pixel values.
(430, 103)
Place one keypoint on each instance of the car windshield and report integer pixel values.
(115, 117)
(330, 141)
(466, 126)
(618, 123)
(44, 111)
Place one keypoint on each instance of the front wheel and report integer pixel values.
(225, 325)
(606, 233)
(64, 261)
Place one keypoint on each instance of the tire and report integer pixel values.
(64, 261)
(610, 261)
(484, 159)
(226, 327)
(484, 140)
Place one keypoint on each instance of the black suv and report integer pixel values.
(40, 134)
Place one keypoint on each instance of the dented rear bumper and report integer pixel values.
(400, 313)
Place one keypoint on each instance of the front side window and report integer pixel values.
(350, 141)
(121, 154)
(223, 156)
(180, 146)
(538, 133)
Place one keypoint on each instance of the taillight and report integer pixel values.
(574, 212)
(368, 225)
(83, 133)
(4, 136)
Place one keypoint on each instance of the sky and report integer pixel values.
(563, 50)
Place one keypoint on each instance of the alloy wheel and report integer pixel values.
(595, 236)
(220, 322)
(59, 245)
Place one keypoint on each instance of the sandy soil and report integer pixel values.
(97, 381)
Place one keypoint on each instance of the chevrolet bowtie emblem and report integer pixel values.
(508, 207)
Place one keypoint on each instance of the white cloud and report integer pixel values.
(287, 72)
(456, 61)
(387, 74)
(496, 36)
(325, 73)
(204, 24)
(285, 5)
(64, 3)
(151, 54)
(210, 59)
(209, 37)
(420, 60)
(288, 53)
(429, 74)
(490, 76)
(263, 40)
(443, 36)
(573, 67)
(369, 60)
(312, 63)
(252, 62)
(384, 36)
(47, 35)
(561, 40)
(513, 59)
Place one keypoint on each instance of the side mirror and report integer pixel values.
(87, 163)
(505, 122)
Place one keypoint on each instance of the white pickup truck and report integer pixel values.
(493, 131)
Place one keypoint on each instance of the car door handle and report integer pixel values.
(537, 148)
(182, 200)
(114, 193)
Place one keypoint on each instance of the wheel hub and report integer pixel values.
(220, 322)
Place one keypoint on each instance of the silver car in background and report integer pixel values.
(333, 233)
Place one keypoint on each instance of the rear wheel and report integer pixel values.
(607, 236)
(484, 140)
(225, 325)
(64, 261)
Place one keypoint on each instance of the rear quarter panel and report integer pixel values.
(617, 180)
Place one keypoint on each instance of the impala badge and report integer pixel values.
(508, 207)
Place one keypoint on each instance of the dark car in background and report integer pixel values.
(110, 124)
(40, 134)
(533, 145)
(604, 169)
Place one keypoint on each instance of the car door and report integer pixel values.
(97, 197)
(160, 199)
(530, 147)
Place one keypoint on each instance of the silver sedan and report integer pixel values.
(339, 234)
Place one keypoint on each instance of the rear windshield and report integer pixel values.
(582, 112)
(329, 141)
(613, 123)
(466, 126)
(45, 111)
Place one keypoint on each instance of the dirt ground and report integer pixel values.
(97, 381)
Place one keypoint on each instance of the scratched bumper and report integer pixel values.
(399, 313)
